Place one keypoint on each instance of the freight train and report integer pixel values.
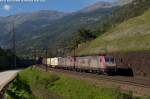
(101, 64)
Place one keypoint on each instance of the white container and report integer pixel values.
(54, 62)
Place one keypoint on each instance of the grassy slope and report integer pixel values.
(55, 86)
(131, 35)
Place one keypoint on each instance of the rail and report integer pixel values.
(118, 79)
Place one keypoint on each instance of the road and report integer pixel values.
(6, 77)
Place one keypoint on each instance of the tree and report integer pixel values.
(83, 35)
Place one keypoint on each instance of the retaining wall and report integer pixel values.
(138, 61)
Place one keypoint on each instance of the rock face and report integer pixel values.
(96, 6)
(123, 2)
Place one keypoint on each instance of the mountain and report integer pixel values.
(25, 23)
(43, 30)
(43, 17)
(97, 5)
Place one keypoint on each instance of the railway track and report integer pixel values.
(145, 83)
(118, 79)
(137, 85)
(125, 81)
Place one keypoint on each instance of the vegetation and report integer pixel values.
(131, 35)
(36, 84)
(7, 60)
(120, 14)
(19, 90)
(124, 13)
(82, 36)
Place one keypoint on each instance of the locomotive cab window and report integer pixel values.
(110, 59)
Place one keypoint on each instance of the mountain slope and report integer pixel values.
(131, 35)
(122, 2)
(25, 23)
(58, 30)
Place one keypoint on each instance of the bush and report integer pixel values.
(20, 89)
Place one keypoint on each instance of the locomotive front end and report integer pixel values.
(111, 66)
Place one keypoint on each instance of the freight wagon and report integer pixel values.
(98, 64)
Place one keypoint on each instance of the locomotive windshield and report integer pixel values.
(109, 59)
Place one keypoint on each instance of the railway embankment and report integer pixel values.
(37, 84)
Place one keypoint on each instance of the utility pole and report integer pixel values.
(34, 56)
(14, 43)
(46, 60)
(74, 54)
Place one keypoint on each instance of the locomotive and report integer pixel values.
(101, 64)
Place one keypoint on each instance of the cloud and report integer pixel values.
(7, 7)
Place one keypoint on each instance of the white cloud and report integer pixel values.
(7, 7)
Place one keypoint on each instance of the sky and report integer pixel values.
(12, 7)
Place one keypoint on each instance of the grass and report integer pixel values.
(37, 84)
(131, 35)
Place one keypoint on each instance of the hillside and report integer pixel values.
(25, 23)
(45, 29)
(60, 29)
(131, 35)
